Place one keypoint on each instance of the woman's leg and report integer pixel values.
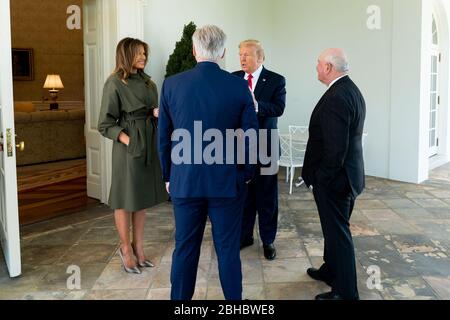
(122, 219)
(138, 234)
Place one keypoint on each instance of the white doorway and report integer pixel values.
(434, 92)
(103, 29)
(439, 113)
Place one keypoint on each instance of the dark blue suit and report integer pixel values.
(220, 101)
(262, 196)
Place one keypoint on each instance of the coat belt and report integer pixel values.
(141, 130)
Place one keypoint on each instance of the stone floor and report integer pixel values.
(401, 229)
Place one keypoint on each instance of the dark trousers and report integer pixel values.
(339, 266)
(225, 215)
(262, 197)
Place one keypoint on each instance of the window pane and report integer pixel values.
(434, 63)
(435, 34)
(434, 82)
(433, 101)
(432, 138)
(433, 120)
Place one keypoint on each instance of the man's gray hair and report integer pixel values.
(339, 60)
(209, 42)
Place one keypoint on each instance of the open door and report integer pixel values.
(9, 213)
(93, 79)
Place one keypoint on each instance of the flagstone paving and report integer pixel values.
(401, 230)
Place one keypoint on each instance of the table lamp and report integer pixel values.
(53, 83)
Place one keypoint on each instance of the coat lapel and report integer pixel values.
(261, 83)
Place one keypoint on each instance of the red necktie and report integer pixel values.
(250, 82)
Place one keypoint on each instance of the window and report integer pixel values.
(434, 91)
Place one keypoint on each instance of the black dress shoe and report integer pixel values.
(315, 274)
(247, 243)
(333, 296)
(329, 296)
(269, 251)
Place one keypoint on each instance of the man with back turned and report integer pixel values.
(213, 99)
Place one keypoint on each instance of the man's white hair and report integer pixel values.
(209, 42)
(338, 59)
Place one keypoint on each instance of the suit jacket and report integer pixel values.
(220, 101)
(334, 155)
(270, 92)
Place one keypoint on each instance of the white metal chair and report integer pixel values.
(293, 147)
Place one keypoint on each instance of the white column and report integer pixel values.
(408, 160)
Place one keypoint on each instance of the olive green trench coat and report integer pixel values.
(136, 182)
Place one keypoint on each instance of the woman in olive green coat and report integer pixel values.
(128, 116)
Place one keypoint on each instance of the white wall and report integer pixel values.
(304, 29)
(386, 64)
(129, 19)
(164, 21)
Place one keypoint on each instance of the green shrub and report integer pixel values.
(182, 58)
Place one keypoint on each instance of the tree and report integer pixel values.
(182, 58)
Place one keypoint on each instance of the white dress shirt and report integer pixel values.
(256, 76)
(255, 79)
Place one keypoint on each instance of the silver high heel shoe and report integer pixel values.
(128, 270)
(146, 263)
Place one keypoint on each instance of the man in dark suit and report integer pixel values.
(334, 169)
(269, 93)
(208, 99)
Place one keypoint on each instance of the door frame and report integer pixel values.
(441, 12)
(434, 150)
(113, 27)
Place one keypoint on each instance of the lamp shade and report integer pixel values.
(53, 81)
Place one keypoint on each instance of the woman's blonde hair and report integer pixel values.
(126, 52)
